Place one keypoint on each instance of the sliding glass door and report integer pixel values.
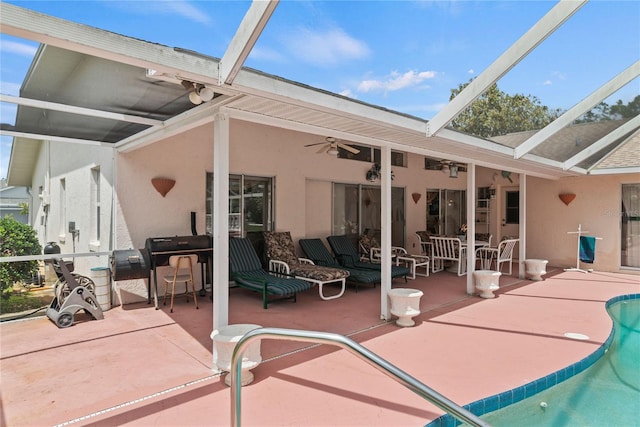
(630, 226)
(446, 211)
(356, 210)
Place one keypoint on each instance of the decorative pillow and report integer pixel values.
(279, 246)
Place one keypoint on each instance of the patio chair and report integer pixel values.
(501, 254)
(282, 257)
(424, 238)
(401, 256)
(246, 271)
(347, 255)
(182, 272)
(448, 249)
(317, 252)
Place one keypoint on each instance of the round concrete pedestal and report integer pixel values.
(225, 340)
(486, 282)
(535, 268)
(405, 304)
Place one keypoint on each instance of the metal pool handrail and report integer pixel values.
(353, 347)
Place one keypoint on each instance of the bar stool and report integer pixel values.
(182, 272)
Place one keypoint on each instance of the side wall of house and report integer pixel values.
(596, 208)
(54, 208)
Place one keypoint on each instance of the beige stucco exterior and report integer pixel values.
(303, 194)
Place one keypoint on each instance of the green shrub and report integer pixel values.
(17, 239)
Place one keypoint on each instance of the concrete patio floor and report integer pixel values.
(141, 366)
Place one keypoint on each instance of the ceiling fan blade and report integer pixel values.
(348, 148)
(323, 149)
(316, 143)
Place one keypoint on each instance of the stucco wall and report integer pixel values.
(597, 208)
(303, 194)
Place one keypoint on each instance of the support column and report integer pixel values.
(220, 209)
(385, 230)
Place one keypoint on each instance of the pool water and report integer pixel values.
(605, 394)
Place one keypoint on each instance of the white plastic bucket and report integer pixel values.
(100, 277)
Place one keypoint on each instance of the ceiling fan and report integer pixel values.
(331, 145)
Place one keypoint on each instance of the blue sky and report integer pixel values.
(402, 55)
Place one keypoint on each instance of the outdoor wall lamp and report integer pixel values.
(198, 93)
(453, 170)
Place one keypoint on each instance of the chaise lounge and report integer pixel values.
(247, 272)
(282, 257)
(317, 252)
(348, 256)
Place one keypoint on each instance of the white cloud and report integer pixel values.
(182, 8)
(396, 81)
(267, 54)
(547, 83)
(349, 93)
(325, 48)
(9, 88)
(21, 49)
(189, 11)
(471, 71)
(559, 75)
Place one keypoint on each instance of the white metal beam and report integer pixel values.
(54, 106)
(31, 25)
(190, 119)
(245, 38)
(577, 110)
(562, 11)
(42, 137)
(603, 142)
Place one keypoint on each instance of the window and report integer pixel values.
(512, 207)
(372, 155)
(630, 226)
(356, 209)
(250, 204)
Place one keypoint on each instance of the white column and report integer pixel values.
(220, 287)
(471, 225)
(522, 232)
(385, 230)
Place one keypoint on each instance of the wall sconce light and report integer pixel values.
(453, 170)
(567, 198)
(163, 185)
(416, 197)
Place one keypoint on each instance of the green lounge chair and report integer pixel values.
(247, 272)
(317, 252)
(347, 255)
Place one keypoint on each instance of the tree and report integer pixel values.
(632, 109)
(497, 113)
(17, 239)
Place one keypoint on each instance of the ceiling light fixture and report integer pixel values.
(332, 151)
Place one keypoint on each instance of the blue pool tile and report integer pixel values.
(541, 384)
(505, 399)
(561, 375)
(491, 404)
(477, 407)
(529, 389)
(518, 394)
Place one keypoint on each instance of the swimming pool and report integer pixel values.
(601, 390)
